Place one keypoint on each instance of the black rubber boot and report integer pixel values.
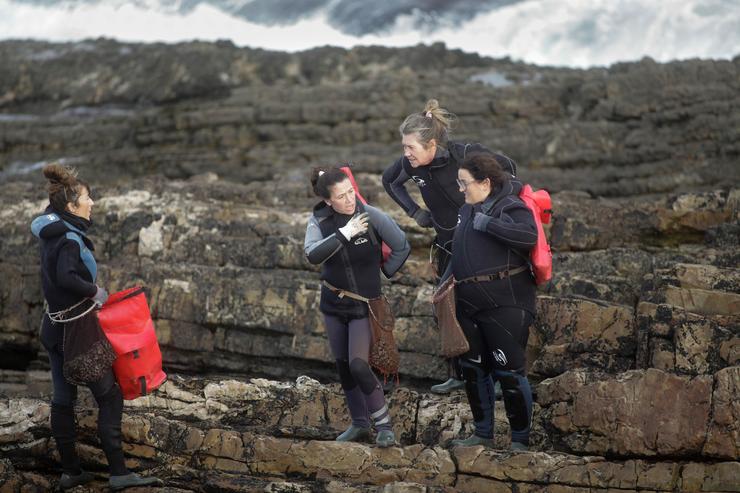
(110, 413)
(64, 431)
(479, 390)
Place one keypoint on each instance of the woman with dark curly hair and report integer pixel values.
(495, 293)
(68, 272)
(344, 236)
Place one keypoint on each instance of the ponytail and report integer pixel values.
(324, 177)
(432, 123)
(64, 186)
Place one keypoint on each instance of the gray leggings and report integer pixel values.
(350, 344)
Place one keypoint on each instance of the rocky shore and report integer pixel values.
(198, 155)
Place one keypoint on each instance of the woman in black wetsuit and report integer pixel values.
(431, 161)
(345, 236)
(495, 293)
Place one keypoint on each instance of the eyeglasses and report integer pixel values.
(463, 184)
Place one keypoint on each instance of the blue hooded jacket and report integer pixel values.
(68, 268)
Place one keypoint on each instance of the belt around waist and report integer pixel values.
(502, 274)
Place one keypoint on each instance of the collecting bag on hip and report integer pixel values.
(383, 351)
(454, 342)
(88, 355)
(127, 322)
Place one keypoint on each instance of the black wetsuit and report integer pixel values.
(439, 190)
(354, 265)
(493, 239)
(68, 273)
(441, 194)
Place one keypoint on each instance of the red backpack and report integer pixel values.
(540, 257)
(347, 171)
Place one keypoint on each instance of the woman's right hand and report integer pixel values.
(356, 226)
(423, 218)
(101, 296)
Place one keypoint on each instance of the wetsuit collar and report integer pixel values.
(441, 158)
(498, 193)
(76, 221)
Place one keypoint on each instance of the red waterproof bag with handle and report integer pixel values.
(127, 323)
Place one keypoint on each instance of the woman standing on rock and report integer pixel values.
(431, 160)
(495, 293)
(344, 237)
(68, 271)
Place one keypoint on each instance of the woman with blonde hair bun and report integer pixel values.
(431, 160)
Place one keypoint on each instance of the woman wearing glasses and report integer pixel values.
(431, 161)
(495, 293)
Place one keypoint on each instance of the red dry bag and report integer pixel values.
(540, 257)
(127, 323)
(347, 171)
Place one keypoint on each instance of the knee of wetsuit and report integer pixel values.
(345, 376)
(471, 371)
(517, 397)
(363, 375)
(111, 396)
(67, 397)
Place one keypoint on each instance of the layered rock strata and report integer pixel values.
(199, 155)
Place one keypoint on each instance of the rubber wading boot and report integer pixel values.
(385, 438)
(472, 441)
(519, 447)
(354, 434)
(69, 481)
(448, 386)
(132, 479)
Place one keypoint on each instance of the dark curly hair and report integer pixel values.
(64, 186)
(324, 177)
(482, 166)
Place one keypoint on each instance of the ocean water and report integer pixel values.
(574, 33)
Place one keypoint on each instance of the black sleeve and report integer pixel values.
(394, 182)
(515, 227)
(68, 276)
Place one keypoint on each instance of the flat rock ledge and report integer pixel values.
(262, 435)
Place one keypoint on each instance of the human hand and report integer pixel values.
(480, 221)
(423, 218)
(356, 226)
(101, 296)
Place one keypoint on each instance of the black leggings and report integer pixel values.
(108, 396)
(498, 340)
(350, 344)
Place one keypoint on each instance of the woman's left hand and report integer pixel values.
(480, 221)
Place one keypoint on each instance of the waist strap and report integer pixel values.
(503, 274)
(342, 293)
